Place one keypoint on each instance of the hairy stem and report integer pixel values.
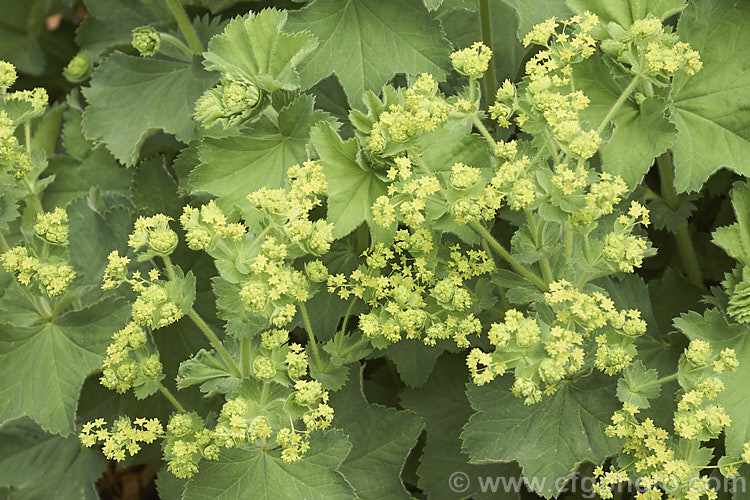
(308, 327)
(245, 357)
(682, 235)
(204, 327)
(215, 342)
(484, 233)
(618, 103)
(168, 394)
(186, 27)
(490, 79)
(536, 234)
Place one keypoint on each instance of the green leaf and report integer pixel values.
(154, 190)
(93, 234)
(109, 23)
(414, 360)
(131, 98)
(549, 439)
(352, 187)
(624, 12)
(443, 406)
(233, 167)
(709, 107)
(531, 13)
(381, 440)
(253, 48)
(714, 327)
(735, 239)
(74, 178)
(72, 136)
(432, 4)
(638, 385)
(645, 125)
(21, 26)
(42, 367)
(34, 462)
(365, 43)
(248, 472)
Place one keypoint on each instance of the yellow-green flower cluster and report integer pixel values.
(125, 437)
(547, 98)
(51, 276)
(154, 307)
(11, 153)
(8, 74)
(412, 294)
(154, 235)
(310, 394)
(423, 109)
(600, 199)
(623, 250)
(542, 354)
(53, 226)
(275, 286)
(186, 442)
(472, 61)
(659, 460)
(38, 98)
(407, 196)
(695, 419)
(204, 225)
(652, 51)
(128, 362)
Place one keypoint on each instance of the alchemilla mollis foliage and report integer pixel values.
(392, 249)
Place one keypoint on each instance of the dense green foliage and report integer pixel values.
(375, 249)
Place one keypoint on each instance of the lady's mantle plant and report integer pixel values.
(468, 253)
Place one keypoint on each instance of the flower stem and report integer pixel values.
(245, 357)
(308, 327)
(682, 235)
(168, 394)
(484, 233)
(204, 327)
(618, 103)
(485, 22)
(215, 342)
(186, 27)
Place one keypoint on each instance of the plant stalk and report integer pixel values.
(168, 394)
(490, 78)
(618, 103)
(186, 27)
(682, 235)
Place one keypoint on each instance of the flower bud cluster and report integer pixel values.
(623, 250)
(12, 156)
(45, 267)
(152, 236)
(205, 225)
(651, 50)
(407, 196)
(80, 67)
(146, 40)
(543, 354)
(421, 109)
(472, 61)
(129, 363)
(229, 103)
(546, 100)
